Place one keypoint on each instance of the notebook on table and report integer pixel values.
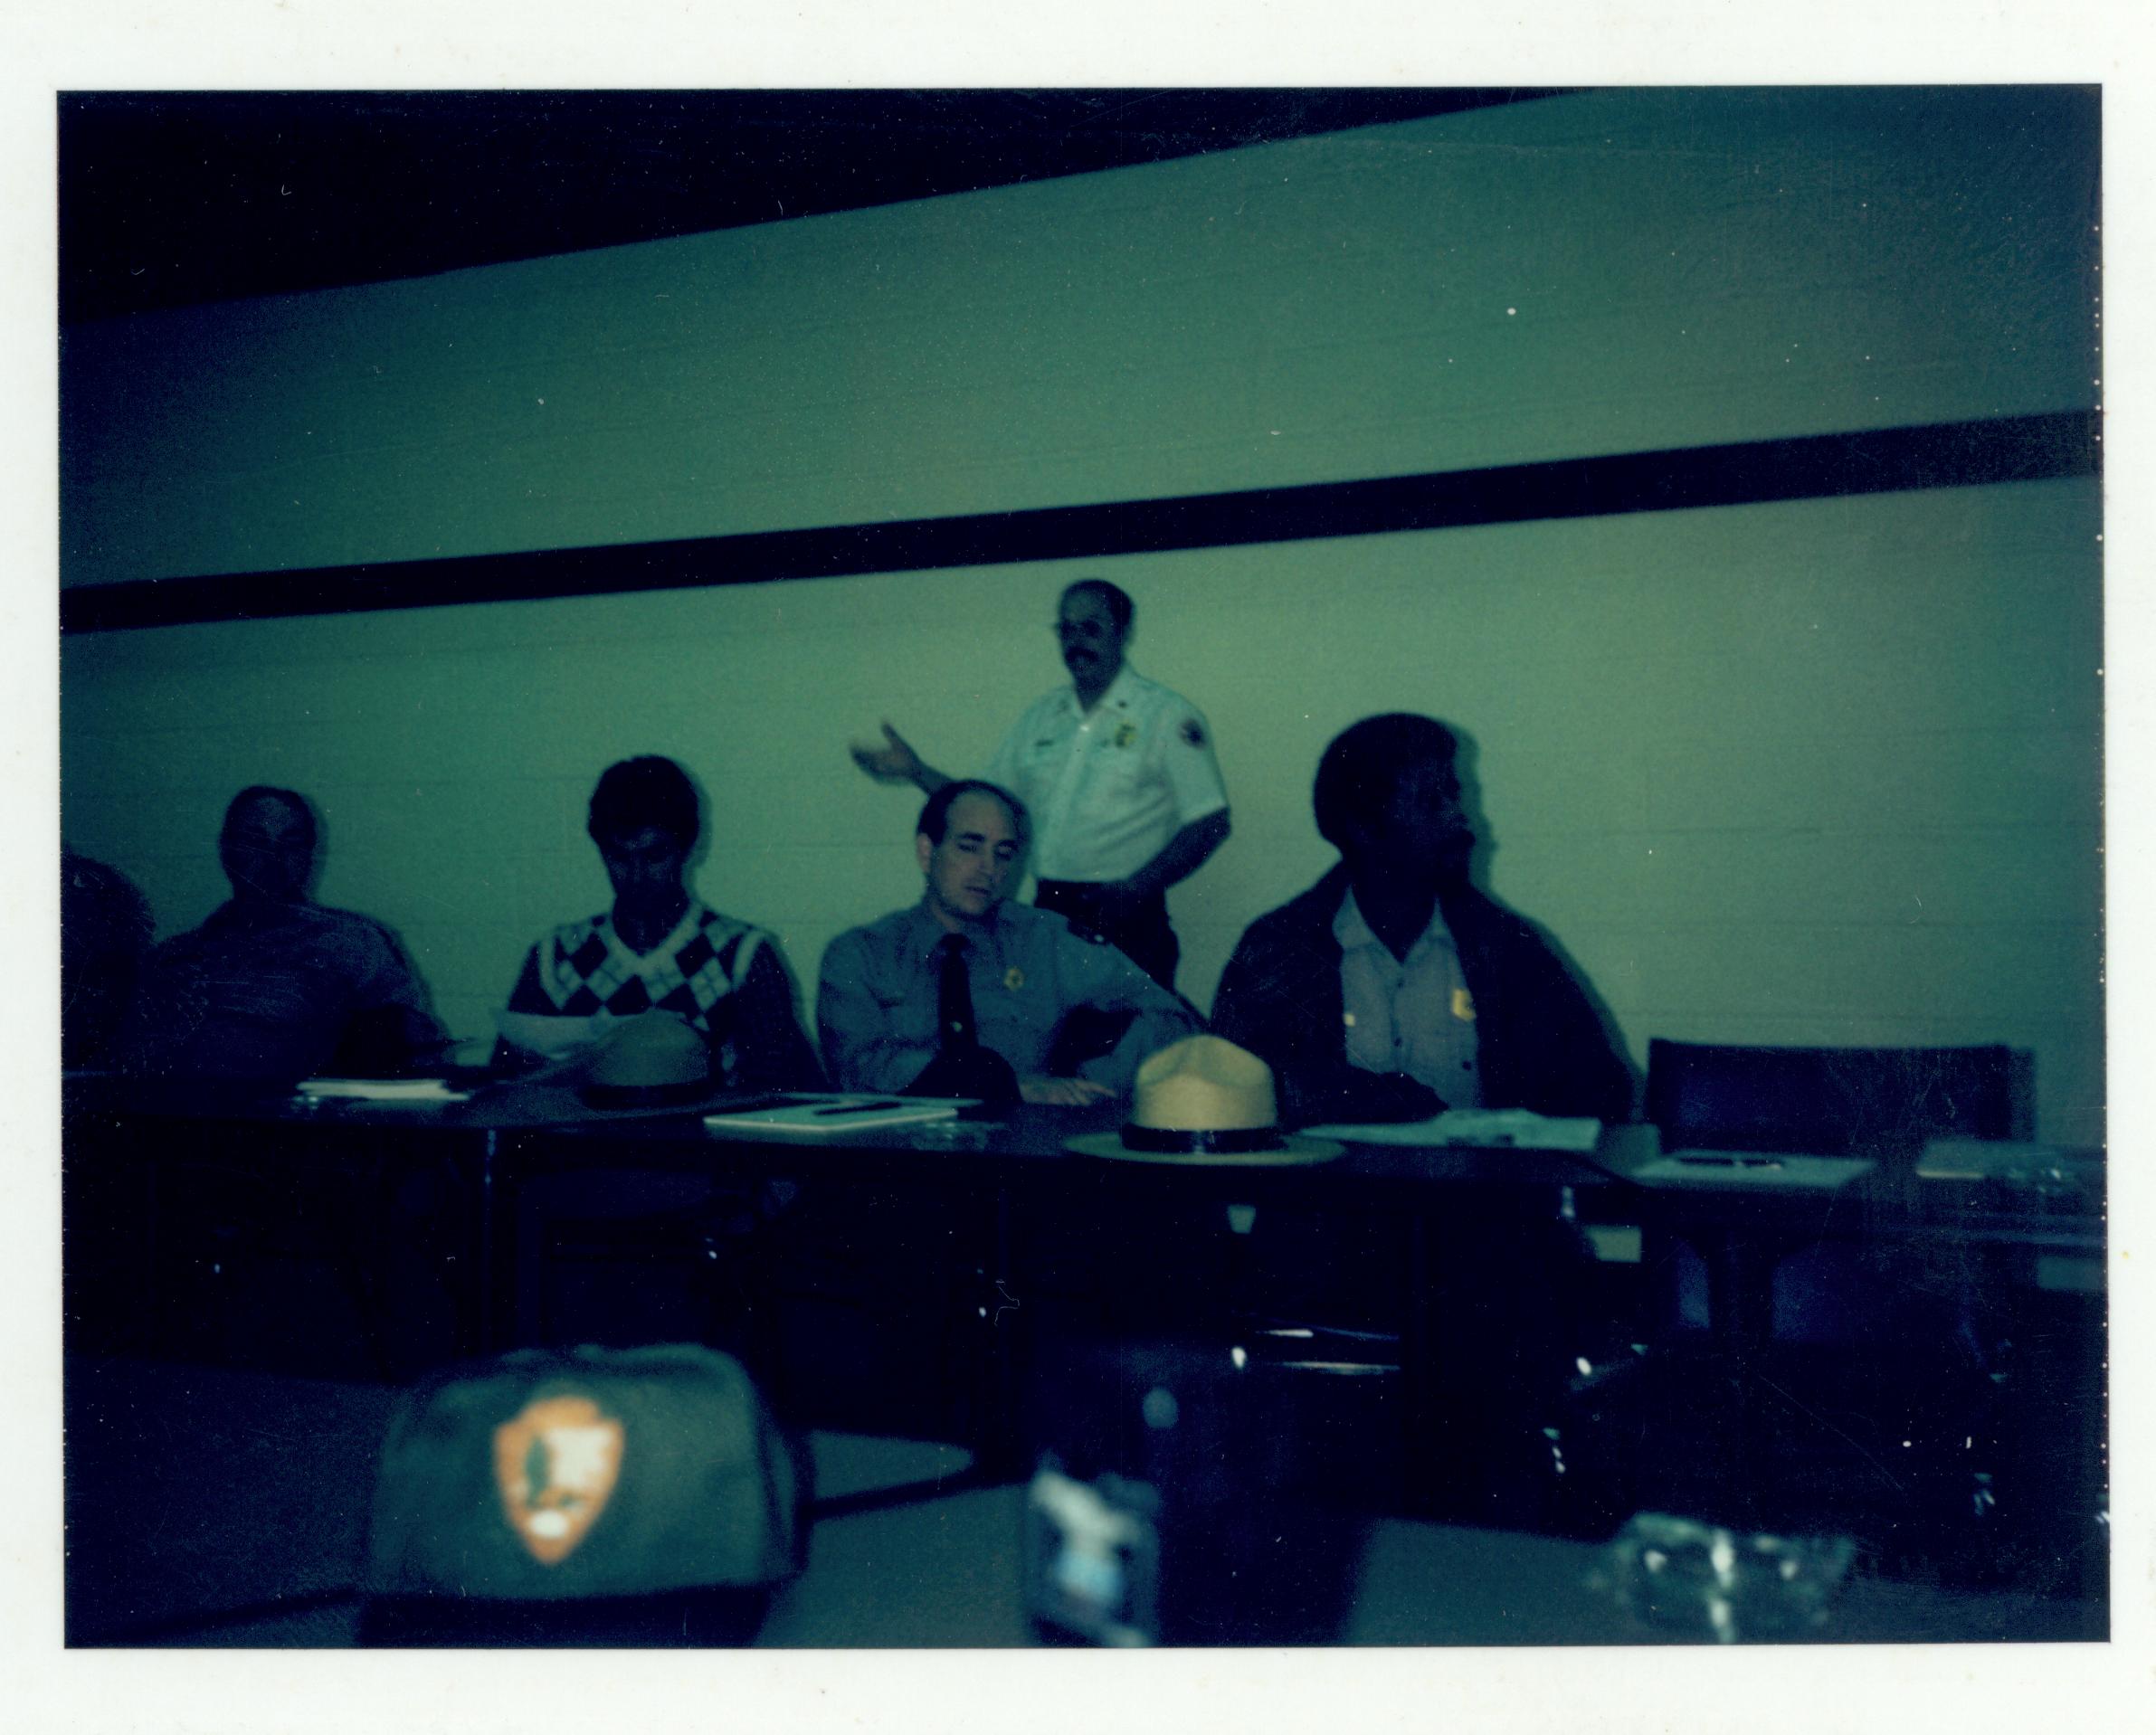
(836, 1115)
(1753, 1170)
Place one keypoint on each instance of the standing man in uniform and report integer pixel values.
(966, 995)
(1119, 774)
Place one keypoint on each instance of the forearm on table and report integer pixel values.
(859, 1052)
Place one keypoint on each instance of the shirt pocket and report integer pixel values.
(1117, 756)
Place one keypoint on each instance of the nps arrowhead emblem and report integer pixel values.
(556, 1464)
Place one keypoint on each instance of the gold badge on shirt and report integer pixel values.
(1126, 734)
(1014, 979)
(1463, 1006)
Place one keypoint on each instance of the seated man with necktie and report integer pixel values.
(965, 994)
(659, 947)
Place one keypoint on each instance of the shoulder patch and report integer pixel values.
(1193, 732)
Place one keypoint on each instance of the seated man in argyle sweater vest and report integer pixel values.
(660, 947)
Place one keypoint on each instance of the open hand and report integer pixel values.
(1062, 1092)
(895, 761)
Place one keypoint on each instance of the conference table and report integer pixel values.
(1003, 1179)
(503, 1136)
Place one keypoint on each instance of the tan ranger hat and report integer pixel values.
(1204, 1100)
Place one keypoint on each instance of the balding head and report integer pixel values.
(267, 846)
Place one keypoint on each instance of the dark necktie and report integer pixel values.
(955, 997)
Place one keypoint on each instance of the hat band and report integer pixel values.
(1230, 1141)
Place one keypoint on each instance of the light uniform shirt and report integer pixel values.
(1027, 969)
(1107, 789)
(1411, 1015)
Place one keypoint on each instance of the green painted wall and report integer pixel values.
(1818, 772)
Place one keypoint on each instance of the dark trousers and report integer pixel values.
(1140, 933)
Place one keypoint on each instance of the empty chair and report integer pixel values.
(1883, 1102)
(1880, 1339)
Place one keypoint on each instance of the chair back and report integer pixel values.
(1883, 1102)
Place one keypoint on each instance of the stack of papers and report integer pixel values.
(385, 1090)
(1483, 1128)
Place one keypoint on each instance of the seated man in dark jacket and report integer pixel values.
(1393, 989)
(274, 986)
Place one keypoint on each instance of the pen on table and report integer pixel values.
(857, 1108)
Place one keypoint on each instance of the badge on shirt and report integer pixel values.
(1463, 1006)
(1014, 979)
(1192, 733)
(1125, 733)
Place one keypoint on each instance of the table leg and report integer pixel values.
(490, 1238)
(1741, 1317)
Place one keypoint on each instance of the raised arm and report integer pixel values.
(896, 761)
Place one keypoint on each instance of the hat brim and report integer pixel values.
(1291, 1152)
(675, 1095)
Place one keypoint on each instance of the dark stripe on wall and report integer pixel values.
(1959, 454)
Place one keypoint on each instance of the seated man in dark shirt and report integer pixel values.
(273, 986)
(1393, 988)
(659, 947)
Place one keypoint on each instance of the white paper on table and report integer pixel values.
(385, 1090)
(1485, 1128)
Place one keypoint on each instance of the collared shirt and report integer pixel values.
(1027, 970)
(1411, 1015)
(267, 990)
(1108, 788)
